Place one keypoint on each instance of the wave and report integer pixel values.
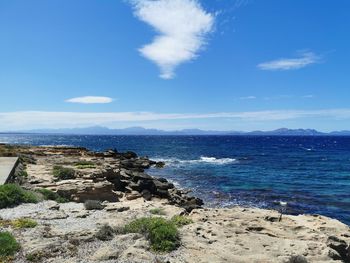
(201, 160)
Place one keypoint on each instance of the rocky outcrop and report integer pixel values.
(339, 249)
(104, 176)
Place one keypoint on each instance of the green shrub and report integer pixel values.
(162, 234)
(51, 195)
(181, 220)
(157, 211)
(12, 195)
(8, 245)
(24, 223)
(105, 233)
(63, 173)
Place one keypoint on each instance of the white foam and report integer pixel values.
(201, 160)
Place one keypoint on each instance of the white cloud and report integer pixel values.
(247, 98)
(182, 26)
(43, 119)
(304, 59)
(90, 100)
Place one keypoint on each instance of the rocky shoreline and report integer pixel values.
(104, 176)
(66, 232)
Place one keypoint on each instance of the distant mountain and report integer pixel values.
(288, 132)
(98, 130)
(340, 133)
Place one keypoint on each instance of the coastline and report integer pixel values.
(66, 231)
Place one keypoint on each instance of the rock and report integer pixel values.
(123, 209)
(81, 190)
(192, 203)
(105, 253)
(163, 185)
(141, 176)
(160, 164)
(297, 259)
(129, 155)
(146, 194)
(271, 218)
(341, 247)
(133, 195)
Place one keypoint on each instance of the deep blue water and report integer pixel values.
(312, 174)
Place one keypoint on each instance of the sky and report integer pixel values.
(175, 64)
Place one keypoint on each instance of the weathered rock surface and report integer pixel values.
(106, 176)
(215, 236)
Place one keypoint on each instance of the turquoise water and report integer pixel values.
(312, 174)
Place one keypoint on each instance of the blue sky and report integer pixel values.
(173, 64)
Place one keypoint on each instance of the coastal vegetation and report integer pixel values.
(51, 195)
(162, 234)
(181, 220)
(63, 173)
(19, 223)
(8, 246)
(12, 195)
(105, 232)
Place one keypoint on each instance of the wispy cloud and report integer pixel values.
(32, 119)
(279, 97)
(309, 96)
(247, 98)
(90, 100)
(183, 26)
(303, 60)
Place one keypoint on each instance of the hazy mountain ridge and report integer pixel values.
(99, 130)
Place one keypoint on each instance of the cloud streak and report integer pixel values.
(182, 27)
(90, 100)
(34, 119)
(247, 98)
(305, 59)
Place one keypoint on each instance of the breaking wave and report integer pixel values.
(201, 160)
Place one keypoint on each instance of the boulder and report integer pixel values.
(80, 190)
(133, 195)
(341, 247)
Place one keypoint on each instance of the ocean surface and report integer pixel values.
(311, 174)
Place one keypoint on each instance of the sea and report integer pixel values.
(310, 174)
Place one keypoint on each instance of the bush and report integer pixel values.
(157, 211)
(63, 173)
(93, 205)
(24, 223)
(105, 233)
(8, 245)
(162, 234)
(12, 195)
(51, 195)
(181, 220)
